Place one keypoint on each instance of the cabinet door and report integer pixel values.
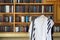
(57, 11)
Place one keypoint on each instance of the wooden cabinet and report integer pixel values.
(17, 15)
(57, 12)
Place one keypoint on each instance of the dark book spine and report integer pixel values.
(23, 8)
(3, 8)
(26, 28)
(17, 8)
(37, 1)
(8, 1)
(18, 19)
(34, 8)
(21, 1)
(1, 1)
(6, 19)
(1, 19)
(20, 8)
(31, 1)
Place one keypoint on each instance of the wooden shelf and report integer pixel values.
(33, 14)
(34, 3)
(6, 23)
(14, 34)
(6, 3)
(5, 13)
(23, 23)
(56, 34)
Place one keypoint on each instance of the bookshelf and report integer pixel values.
(16, 15)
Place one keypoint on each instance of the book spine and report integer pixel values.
(6, 19)
(34, 9)
(26, 18)
(18, 1)
(30, 18)
(7, 8)
(17, 8)
(10, 18)
(5, 28)
(17, 29)
(22, 19)
(42, 9)
(12, 9)
(23, 8)
(40, 1)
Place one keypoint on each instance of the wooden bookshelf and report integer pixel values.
(12, 9)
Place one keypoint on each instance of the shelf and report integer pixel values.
(56, 34)
(33, 14)
(6, 23)
(6, 3)
(34, 3)
(13, 34)
(5, 13)
(23, 23)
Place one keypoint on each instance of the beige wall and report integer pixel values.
(14, 38)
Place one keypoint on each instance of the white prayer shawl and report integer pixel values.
(40, 24)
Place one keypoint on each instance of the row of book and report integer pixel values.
(34, 8)
(19, 18)
(6, 1)
(56, 28)
(6, 8)
(22, 28)
(21, 1)
(6, 28)
(29, 1)
(23, 18)
(6, 18)
(18, 28)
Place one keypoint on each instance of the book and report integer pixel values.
(26, 28)
(23, 8)
(42, 9)
(54, 28)
(34, 9)
(30, 18)
(1, 19)
(1, 1)
(17, 9)
(17, 28)
(3, 8)
(26, 9)
(12, 9)
(18, 1)
(21, 1)
(31, 1)
(7, 8)
(22, 19)
(36, 1)
(57, 29)
(8, 1)
(10, 18)
(48, 8)
(18, 19)
(6, 19)
(27, 1)
(40, 1)
(26, 18)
